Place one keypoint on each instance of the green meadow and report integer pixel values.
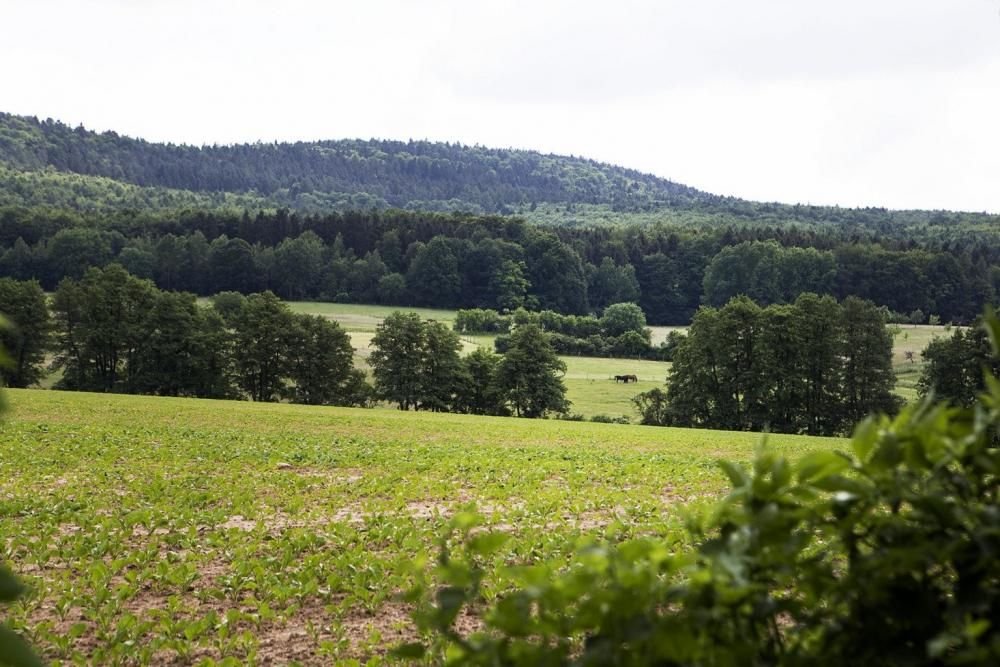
(589, 382)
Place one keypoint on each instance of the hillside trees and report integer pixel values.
(481, 261)
(26, 334)
(812, 367)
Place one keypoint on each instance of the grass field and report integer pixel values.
(360, 317)
(179, 530)
(588, 380)
(912, 339)
(589, 384)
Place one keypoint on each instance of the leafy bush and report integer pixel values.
(886, 554)
(610, 419)
(13, 650)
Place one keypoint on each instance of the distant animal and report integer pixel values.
(626, 378)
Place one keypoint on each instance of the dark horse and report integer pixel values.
(626, 378)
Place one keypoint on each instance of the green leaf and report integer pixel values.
(865, 437)
(449, 601)
(10, 587)
(14, 651)
(992, 325)
(487, 543)
(409, 651)
(820, 465)
(737, 476)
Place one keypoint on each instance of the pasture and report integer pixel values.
(588, 379)
(193, 531)
(912, 339)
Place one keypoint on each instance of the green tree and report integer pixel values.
(530, 374)
(818, 321)
(610, 283)
(954, 367)
(866, 353)
(434, 278)
(298, 265)
(19, 261)
(653, 407)
(619, 318)
(397, 359)
(479, 392)
(101, 324)
(556, 274)
(510, 285)
(321, 365)
(26, 337)
(231, 266)
(229, 305)
(392, 289)
(441, 367)
(187, 351)
(262, 346)
(72, 251)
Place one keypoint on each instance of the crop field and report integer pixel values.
(190, 531)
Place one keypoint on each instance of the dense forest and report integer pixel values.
(431, 224)
(471, 261)
(48, 163)
(418, 175)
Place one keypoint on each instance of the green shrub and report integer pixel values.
(888, 554)
(13, 650)
(610, 419)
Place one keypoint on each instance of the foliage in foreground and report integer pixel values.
(13, 650)
(884, 555)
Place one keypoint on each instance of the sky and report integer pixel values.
(890, 103)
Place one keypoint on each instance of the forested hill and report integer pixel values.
(418, 175)
(51, 165)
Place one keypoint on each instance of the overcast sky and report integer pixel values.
(850, 102)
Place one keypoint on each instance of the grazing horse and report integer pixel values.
(626, 378)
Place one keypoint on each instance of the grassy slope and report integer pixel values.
(148, 520)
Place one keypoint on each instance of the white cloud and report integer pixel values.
(857, 103)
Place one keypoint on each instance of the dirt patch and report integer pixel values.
(346, 475)
(427, 509)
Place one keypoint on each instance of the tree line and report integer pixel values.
(455, 261)
(814, 366)
(620, 331)
(417, 364)
(113, 332)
